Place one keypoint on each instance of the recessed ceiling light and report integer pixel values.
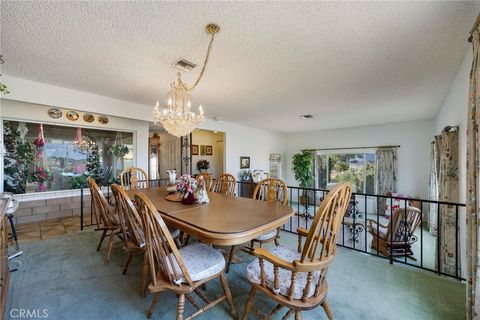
(307, 116)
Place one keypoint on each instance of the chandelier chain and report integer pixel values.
(205, 62)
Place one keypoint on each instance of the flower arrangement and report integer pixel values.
(118, 150)
(186, 184)
(40, 175)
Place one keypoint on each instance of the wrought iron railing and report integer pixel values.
(434, 245)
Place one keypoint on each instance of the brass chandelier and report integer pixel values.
(176, 117)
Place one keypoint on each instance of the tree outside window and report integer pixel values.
(356, 168)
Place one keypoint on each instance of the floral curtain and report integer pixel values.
(386, 173)
(433, 189)
(446, 146)
(473, 184)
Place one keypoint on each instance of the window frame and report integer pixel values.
(327, 153)
(59, 193)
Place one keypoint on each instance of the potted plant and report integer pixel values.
(302, 167)
(203, 165)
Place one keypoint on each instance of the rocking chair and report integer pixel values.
(396, 238)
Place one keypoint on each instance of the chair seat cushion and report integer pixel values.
(267, 235)
(201, 261)
(382, 231)
(290, 255)
(175, 233)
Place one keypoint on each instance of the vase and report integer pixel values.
(188, 198)
(40, 187)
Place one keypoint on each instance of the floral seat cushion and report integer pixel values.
(382, 231)
(267, 235)
(290, 255)
(201, 261)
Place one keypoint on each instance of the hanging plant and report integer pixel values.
(41, 175)
(3, 87)
(39, 142)
(118, 149)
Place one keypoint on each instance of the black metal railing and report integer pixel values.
(436, 248)
(88, 221)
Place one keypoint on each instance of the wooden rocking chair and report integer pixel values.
(134, 178)
(297, 279)
(396, 238)
(107, 220)
(180, 271)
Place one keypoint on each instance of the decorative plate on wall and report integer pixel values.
(103, 119)
(88, 117)
(55, 113)
(72, 116)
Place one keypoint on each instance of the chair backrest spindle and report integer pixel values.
(225, 184)
(161, 248)
(272, 191)
(134, 178)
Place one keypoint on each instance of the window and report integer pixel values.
(357, 168)
(64, 158)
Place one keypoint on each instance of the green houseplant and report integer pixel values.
(302, 167)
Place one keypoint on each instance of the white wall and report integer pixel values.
(209, 138)
(454, 113)
(239, 140)
(248, 141)
(414, 138)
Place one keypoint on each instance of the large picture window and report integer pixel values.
(45, 157)
(357, 168)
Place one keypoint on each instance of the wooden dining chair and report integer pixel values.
(272, 191)
(207, 177)
(225, 184)
(134, 178)
(396, 238)
(180, 271)
(132, 230)
(107, 221)
(297, 279)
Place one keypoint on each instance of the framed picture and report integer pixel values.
(202, 150)
(194, 149)
(244, 162)
(209, 150)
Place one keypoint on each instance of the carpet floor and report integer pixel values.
(67, 277)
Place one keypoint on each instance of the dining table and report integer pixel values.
(225, 220)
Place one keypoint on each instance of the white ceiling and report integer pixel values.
(348, 63)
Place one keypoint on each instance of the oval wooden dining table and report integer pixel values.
(226, 220)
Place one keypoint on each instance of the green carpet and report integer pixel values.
(67, 277)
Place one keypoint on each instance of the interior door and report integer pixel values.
(169, 155)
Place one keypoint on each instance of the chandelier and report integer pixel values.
(177, 117)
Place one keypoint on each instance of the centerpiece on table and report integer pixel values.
(186, 185)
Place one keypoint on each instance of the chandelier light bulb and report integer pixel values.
(169, 101)
(200, 109)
